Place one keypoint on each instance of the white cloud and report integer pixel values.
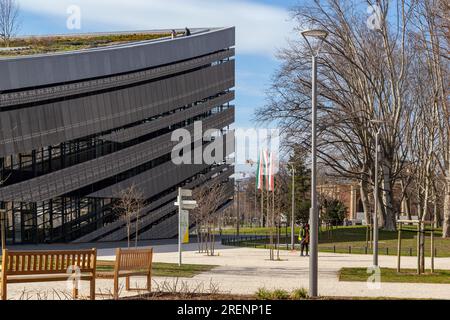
(260, 29)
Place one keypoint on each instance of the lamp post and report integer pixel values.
(238, 207)
(292, 207)
(251, 163)
(375, 194)
(375, 214)
(314, 38)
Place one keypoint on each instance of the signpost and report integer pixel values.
(183, 218)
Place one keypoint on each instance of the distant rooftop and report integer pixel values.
(31, 45)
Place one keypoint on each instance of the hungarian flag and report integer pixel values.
(271, 171)
(260, 171)
(266, 157)
(265, 170)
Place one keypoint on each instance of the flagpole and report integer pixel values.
(262, 208)
(260, 185)
(256, 203)
(273, 209)
(269, 218)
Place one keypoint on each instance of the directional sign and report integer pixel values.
(187, 204)
(183, 218)
(184, 222)
(186, 193)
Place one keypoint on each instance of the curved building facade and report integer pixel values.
(77, 127)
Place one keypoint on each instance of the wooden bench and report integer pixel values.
(130, 262)
(44, 266)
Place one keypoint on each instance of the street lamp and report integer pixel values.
(251, 163)
(292, 206)
(314, 38)
(375, 194)
(238, 207)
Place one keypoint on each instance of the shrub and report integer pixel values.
(263, 294)
(334, 211)
(280, 294)
(299, 294)
(302, 211)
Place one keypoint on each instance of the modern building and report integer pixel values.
(77, 127)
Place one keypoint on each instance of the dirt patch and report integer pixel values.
(218, 297)
(177, 296)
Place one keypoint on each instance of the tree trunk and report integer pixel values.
(422, 247)
(446, 222)
(198, 236)
(422, 231)
(381, 210)
(136, 236)
(405, 206)
(436, 218)
(389, 222)
(213, 244)
(128, 233)
(365, 200)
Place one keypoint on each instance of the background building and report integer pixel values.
(77, 127)
(349, 194)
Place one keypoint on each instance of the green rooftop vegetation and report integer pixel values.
(52, 44)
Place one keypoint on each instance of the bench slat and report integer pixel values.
(43, 266)
(39, 262)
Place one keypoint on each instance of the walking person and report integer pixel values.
(174, 34)
(303, 237)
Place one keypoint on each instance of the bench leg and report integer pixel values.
(4, 290)
(92, 293)
(75, 289)
(116, 288)
(127, 283)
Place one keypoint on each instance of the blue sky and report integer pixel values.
(262, 26)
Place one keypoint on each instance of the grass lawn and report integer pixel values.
(161, 269)
(340, 239)
(164, 269)
(255, 231)
(355, 237)
(391, 275)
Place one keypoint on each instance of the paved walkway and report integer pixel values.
(244, 270)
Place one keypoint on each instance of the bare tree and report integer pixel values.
(432, 44)
(281, 193)
(9, 20)
(129, 205)
(364, 75)
(210, 196)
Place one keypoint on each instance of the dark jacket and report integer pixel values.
(304, 235)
